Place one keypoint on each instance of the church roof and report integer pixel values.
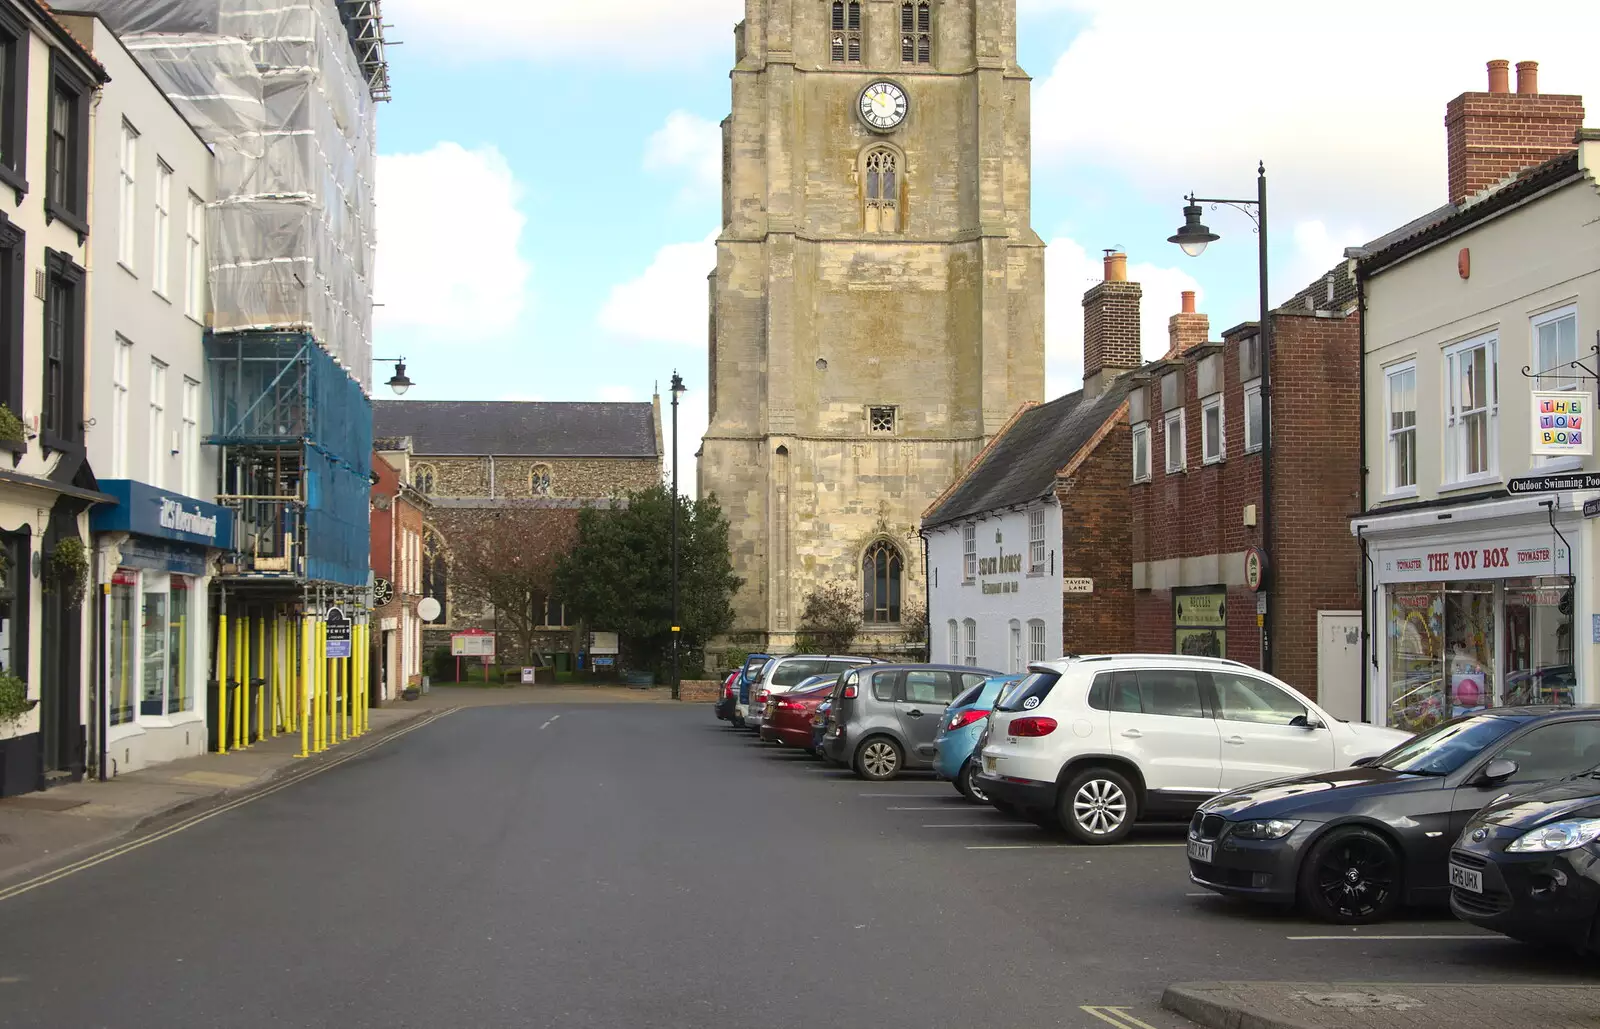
(1022, 463)
(461, 428)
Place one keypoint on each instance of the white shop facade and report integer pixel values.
(1479, 605)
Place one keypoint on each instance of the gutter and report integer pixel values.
(1361, 496)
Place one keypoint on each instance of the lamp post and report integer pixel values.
(398, 381)
(677, 388)
(1193, 238)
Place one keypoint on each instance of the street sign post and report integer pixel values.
(338, 627)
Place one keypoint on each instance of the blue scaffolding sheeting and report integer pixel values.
(297, 436)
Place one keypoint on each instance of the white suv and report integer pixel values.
(1096, 743)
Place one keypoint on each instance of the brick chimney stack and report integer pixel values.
(1110, 327)
(1495, 134)
(1186, 329)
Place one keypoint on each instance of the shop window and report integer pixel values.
(1036, 547)
(154, 641)
(1200, 622)
(1176, 443)
(124, 586)
(1441, 643)
(1401, 397)
(180, 697)
(1538, 642)
(1472, 406)
(1213, 445)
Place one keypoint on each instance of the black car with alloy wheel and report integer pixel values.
(1353, 845)
(1528, 866)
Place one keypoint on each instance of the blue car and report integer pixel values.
(959, 731)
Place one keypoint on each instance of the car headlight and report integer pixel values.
(1271, 829)
(1557, 836)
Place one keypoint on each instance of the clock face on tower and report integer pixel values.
(883, 106)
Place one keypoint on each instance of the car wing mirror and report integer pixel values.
(1497, 771)
(1307, 722)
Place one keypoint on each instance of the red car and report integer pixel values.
(788, 717)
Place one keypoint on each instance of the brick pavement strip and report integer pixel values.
(1269, 1005)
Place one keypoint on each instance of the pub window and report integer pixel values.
(13, 101)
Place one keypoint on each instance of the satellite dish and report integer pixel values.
(428, 608)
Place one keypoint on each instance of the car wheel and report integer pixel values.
(1352, 877)
(879, 759)
(966, 783)
(1099, 805)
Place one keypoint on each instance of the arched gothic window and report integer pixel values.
(539, 480)
(881, 569)
(424, 478)
(916, 32)
(882, 169)
(844, 43)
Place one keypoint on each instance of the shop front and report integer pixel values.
(155, 553)
(1474, 617)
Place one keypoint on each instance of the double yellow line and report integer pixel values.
(144, 841)
(1117, 1016)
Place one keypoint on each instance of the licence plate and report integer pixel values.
(1466, 879)
(988, 764)
(1201, 852)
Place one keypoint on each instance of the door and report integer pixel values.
(923, 696)
(1159, 721)
(1339, 663)
(1265, 732)
(393, 681)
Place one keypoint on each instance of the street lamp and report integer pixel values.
(1193, 238)
(398, 382)
(677, 388)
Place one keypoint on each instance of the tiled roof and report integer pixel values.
(518, 428)
(1315, 297)
(1387, 249)
(1021, 465)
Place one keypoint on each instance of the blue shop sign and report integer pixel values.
(143, 510)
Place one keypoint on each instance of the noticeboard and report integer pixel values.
(472, 644)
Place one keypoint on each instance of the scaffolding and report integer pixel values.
(363, 20)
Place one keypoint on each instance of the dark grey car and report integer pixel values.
(884, 717)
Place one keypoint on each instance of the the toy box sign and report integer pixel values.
(1561, 423)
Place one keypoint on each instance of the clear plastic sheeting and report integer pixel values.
(274, 87)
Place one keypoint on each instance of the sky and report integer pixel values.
(548, 190)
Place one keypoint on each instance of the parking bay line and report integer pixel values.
(1398, 936)
(904, 796)
(954, 805)
(1061, 846)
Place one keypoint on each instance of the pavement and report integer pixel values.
(616, 865)
(1268, 1005)
(42, 829)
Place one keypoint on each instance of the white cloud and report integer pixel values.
(647, 31)
(1070, 272)
(436, 270)
(691, 144)
(668, 302)
(1349, 118)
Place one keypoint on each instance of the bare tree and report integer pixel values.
(505, 559)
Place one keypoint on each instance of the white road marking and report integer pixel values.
(903, 796)
(954, 805)
(1199, 894)
(1398, 936)
(1108, 848)
(978, 825)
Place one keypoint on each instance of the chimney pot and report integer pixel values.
(1116, 266)
(1527, 77)
(1499, 79)
(1188, 301)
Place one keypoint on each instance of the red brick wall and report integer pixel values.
(1316, 461)
(1316, 477)
(1491, 135)
(1111, 327)
(1096, 537)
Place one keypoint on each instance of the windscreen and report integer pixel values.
(1447, 747)
(1035, 688)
